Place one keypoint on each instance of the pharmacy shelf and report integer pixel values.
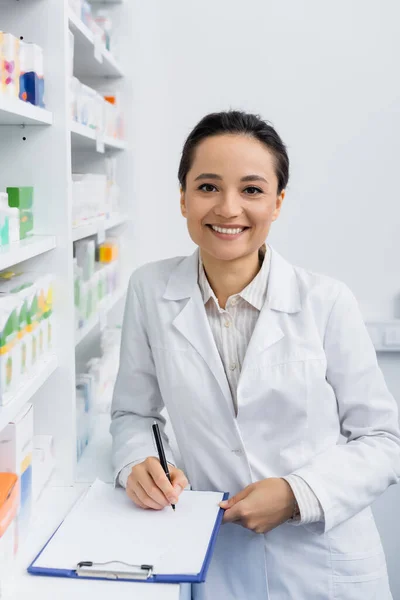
(16, 112)
(84, 138)
(105, 306)
(12, 254)
(27, 390)
(385, 335)
(95, 225)
(91, 60)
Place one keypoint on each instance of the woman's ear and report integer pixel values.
(183, 204)
(278, 206)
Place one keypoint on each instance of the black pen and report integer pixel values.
(161, 453)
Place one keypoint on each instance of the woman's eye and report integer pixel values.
(252, 190)
(208, 187)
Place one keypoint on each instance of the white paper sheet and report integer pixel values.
(106, 526)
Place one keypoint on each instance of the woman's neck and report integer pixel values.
(228, 278)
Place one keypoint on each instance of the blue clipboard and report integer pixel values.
(143, 573)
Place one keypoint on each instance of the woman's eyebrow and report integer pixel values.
(253, 178)
(208, 176)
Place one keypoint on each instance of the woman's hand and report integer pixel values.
(148, 485)
(261, 506)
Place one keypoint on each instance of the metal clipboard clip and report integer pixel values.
(114, 570)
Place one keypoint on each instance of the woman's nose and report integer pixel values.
(229, 206)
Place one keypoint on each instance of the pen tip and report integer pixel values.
(173, 507)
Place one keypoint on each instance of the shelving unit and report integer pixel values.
(84, 138)
(92, 228)
(92, 58)
(100, 317)
(27, 390)
(25, 249)
(42, 148)
(16, 112)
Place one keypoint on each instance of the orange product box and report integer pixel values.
(9, 499)
(108, 252)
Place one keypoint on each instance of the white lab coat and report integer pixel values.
(309, 375)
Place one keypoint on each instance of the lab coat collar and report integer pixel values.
(283, 295)
(283, 292)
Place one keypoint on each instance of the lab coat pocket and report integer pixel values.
(357, 559)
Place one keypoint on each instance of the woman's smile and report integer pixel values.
(227, 232)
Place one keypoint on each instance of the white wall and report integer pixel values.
(326, 75)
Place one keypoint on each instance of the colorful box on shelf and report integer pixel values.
(31, 87)
(26, 321)
(101, 113)
(10, 350)
(9, 65)
(21, 70)
(22, 199)
(9, 506)
(9, 221)
(16, 441)
(93, 281)
(107, 252)
(9, 500)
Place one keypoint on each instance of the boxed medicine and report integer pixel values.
(16, 443)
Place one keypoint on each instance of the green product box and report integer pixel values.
(9, 350)
(22, 287)
(22, 198)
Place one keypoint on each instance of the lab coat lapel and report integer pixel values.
(283, 296)
(192, 320)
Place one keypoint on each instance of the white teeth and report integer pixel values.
(228, 231)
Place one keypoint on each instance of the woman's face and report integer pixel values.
(231, 196)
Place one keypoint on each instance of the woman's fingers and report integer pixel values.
(178, 479)
(135, 499)
(149, 487)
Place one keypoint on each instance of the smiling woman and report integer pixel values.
(233, 174)
(261, 365)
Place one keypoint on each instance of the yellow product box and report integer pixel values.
(44, 286)
(107, 252)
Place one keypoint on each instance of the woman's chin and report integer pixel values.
(226, 254)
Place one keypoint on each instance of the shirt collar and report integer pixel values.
(255, 293)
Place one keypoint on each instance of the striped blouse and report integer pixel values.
(232, 329)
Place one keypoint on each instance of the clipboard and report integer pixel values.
(54, 561)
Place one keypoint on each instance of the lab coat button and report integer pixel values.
(232, 366)
(238, 452)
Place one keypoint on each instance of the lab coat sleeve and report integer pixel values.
(137, 401)
(347, 478)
